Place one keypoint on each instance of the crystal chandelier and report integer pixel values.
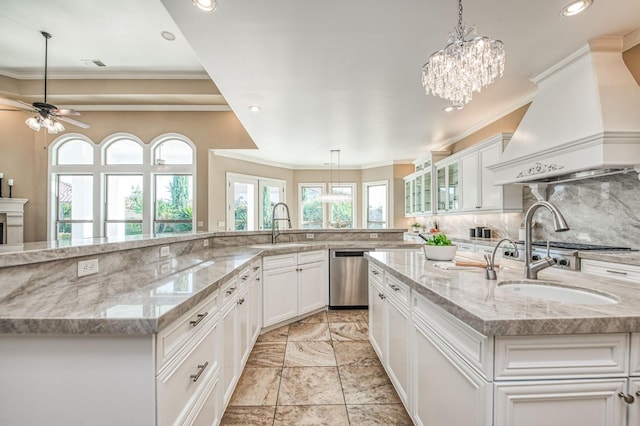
(464, 66)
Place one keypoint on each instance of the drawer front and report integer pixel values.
(635, 355)
(376, 274)
(182, 380)
(466, 247)
(228, 290)
(177, 335)
(472, 346)
(312, 256)
(279, 261)
(396, 289)
(562, 356)
(484, 249)
(255, 269)
(618, 271)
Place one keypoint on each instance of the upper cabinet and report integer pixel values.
(462, 183)
(419, 187)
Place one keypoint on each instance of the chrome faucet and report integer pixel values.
(275, 234)
(532, 268)
(490, 273)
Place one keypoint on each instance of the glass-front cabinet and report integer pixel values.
(448, 185)
(419, 187)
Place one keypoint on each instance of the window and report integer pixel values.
(375, 204)
(312, 216)
(250, 201)
(341, 213)
(122, 187)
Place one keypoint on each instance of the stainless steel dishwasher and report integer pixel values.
(348, 279)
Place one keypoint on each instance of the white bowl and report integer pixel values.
(440, 252)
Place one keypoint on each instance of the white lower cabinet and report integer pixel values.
(446, 391)
(561, 403)
(376, 318)
(294, 284)
(634, 409)
(229, 343)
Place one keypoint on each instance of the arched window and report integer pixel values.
(123, 187)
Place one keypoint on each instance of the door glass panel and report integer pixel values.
(427, 192)
(407, 197)
(244, 206)
(442, 189)
(312, 209)
(270, 195)
(376, 206)
(417, 200)
(454, 188)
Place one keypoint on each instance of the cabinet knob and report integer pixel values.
(241, 301)
(257, 278)
(629, 399)
(194, 323)
(381, 296)
(201, 369)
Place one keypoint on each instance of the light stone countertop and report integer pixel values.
(491, 310)
(140, 300)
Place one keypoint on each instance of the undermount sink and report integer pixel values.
(279, 245)
(558, 292)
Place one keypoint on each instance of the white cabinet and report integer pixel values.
(398, 345)
(618, 271)
(229, 343)
(561, 403)
(446, 391)
(419, 186)
(294, 284)
(376, 317)
(448, 185)
(470, 185)
(634, 409)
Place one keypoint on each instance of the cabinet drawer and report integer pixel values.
(396, 289)
(376, 274)
(466, 247)
(618, 271)
(228, 290)
(184, 377)
(562, 356)
(484, 249)
(279, 261)
(177, 335)
(312, 256)
(472, 346)
(255, 268)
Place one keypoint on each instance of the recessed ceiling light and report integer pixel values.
(168, 35)
(448, 108)
(206, 5)
(575, 7)
(254, 108)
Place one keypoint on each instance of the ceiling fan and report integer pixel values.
(49, 116)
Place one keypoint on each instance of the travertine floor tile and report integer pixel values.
(349, 331)
(257, 386)
(276, 335)
(248, 416)
(267, 354)
(319, 317)
(309, 332)
(355, 354)
(309, 354)
(367, 385)
(311, 415)
(310, 386)
(355, 315)
(383, 414)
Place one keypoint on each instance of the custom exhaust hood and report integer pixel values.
(583, 122)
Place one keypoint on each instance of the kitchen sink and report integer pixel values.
(557, 292)
(279, 245)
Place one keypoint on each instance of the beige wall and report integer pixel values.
(24, 158)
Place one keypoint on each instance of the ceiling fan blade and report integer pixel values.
(65, 111)
(72, 121)
(17, 104)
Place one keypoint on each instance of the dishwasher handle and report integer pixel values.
(349, 253)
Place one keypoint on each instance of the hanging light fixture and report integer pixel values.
(464, 66)
(332, 196)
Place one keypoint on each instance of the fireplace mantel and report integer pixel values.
(12, 215)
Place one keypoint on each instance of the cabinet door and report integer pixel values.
(634, 409)
(469, 179)
(408, 205)
(453, 186)
(377, 307)
(441, 183)
(243, 324)
(490, 195)
(427, 195)
(255, 309)
(560, 403)
(446, 391)
(280, 295)
(312, 287)
(230, 365)
(417, 194)
(398, 344)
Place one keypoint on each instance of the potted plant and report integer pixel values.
(416, 228)
(439, 247)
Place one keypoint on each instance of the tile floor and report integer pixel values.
(321, 370)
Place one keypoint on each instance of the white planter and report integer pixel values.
(440, 252)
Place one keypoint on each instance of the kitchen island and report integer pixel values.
(480, 354)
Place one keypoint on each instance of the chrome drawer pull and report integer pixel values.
(244, 277)
(230, 291)
(375, 272)
(616, 272)
(241, 301)
(194, 323)
(201, 369)
(255, 268)
(629, 399)
(394, 287)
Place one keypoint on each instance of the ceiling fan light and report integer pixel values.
(206, 5)
(48, 123)
(56, 128)
(33, 123)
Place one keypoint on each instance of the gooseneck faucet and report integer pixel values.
(490, 273)
(560, 224)
(275, 234)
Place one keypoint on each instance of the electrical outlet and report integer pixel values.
(205, 242)
(310, 236)
(373, 235)
(87, 267)
(164, 268)
(164, 251)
